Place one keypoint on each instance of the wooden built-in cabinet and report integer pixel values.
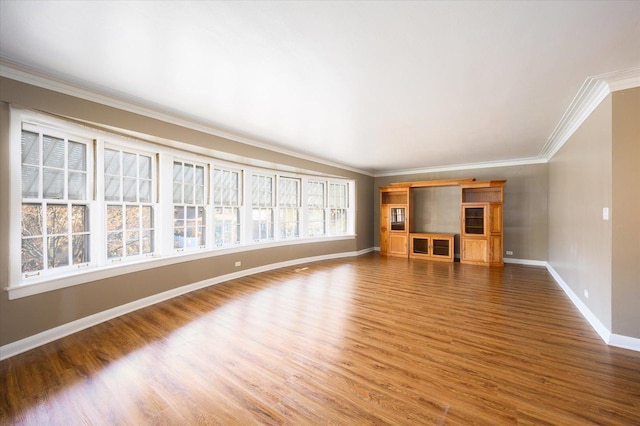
(394, 222)
(431, 246)
(481, 235)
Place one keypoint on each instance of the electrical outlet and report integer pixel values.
(238, 264)
(586, 293)
(605, 213)
(509, 253)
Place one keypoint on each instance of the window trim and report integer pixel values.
(163, 154)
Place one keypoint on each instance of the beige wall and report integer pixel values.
(525, 205)
(625, 265)
(579, 188)
(27, 316)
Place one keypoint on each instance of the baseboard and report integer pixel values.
(605, 334)
(528, 262)
(56, 333)
(625, 342)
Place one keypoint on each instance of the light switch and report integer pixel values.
(605, 213)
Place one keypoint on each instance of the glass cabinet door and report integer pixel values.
(474, 220)
(420, 245)
(440, 247)
(397, 219)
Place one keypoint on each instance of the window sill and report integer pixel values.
(46, 284)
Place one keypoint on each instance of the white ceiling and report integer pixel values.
(376, 86)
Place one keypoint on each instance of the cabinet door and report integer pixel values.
(441, 247)
(496, 218)
(398, 218)
(398, 244)
(495, 254)
(474, 220)
(420, 246)
(474, 250)
(384, 229)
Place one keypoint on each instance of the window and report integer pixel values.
(262, 206)
(316, 208)
(83, 202)
(128, 191)
(289, 207)
(54, 217)
(226, 203)
(189, 206)
(338, 206)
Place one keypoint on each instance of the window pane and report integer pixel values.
(192, 241)
(145, 167)
(177, 172)
(114, 218)
(112, 162)
(30, 182)
(129, 190)
(57, 216)
(133, 243)
(147, 217)
(79, 219)
(32, 255)
(77, 156)
(199, 175)
(30, 148)
(145, 191)
(188, 193)
(53, 152)
(177, 193)
(77, 186)
(112, 188)
(188, 173)
(31, 219)
(178, 237)
(200, 195)
(178, 216)
(114, 244)
(133, 217)
(58, 251)
(129, 164)
(53, 184)
(147, 241)
(80, 249)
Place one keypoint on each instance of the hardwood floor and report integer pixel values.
(368, 340)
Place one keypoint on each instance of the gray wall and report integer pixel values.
(27, 316)
(579, 188)
(525, 205)
(625, 264)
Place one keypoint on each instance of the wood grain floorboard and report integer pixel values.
(367, 341)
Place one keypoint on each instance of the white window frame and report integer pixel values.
(264, 205)
(221, 198)
(285, 207)
(322, 207)
(199, 207)
(126, 205)
(163, 154)
(334, 204)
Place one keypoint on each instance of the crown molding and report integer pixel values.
(466, 166)
(11, 70)
(593, 91)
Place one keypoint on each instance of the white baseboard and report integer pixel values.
(56, 333)
(605, 334)
(528, 262)
(625, 342)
